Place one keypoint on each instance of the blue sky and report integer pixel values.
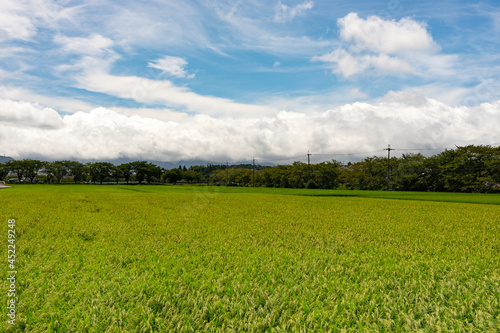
(217, 80)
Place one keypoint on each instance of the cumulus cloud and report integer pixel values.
(285, 13)
(381, 36)
(403, 119)
(28, 115)
(375, 46)
(172, 66)
(347, 64)
(356, 93)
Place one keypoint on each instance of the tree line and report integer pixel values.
(464, 169)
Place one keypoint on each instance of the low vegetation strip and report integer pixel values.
(195, 259)
(471, 169)
(478, 198)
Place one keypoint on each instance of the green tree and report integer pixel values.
(99, 171)
(77, 170)
(192, 176)
(56, 169)
(17, 167)
(205, 171)
(353, 176)
(299, 174)
(116, 173)
(409, 175)
(140, 169)
(4, 171)
(463, 169)
(492, 164)
(326, 174)
(32, 167)
(146, 171)
(240, 176)
(376, 172)
(153, 173)
(172, 176)
(127, 170)
(282, 175)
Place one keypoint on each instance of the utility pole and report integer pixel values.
(253, 172)
(308, 166)
(207, 173)
(227, 173)
(388, 165)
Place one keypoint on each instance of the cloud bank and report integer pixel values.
(403, 119)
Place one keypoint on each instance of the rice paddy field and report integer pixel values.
(209, 259)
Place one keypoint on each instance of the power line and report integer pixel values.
(282, 159)
(332, 154)
(346, 154)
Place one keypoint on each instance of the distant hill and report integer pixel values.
(4, 159)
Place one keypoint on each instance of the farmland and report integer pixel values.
(191, 259)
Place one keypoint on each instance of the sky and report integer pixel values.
(222, 80)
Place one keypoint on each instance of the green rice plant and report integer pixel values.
(198, 259)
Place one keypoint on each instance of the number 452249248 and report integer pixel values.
(11, 235)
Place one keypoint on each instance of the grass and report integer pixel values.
(480, 198)
(191, 259)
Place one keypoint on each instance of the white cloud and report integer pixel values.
(347, 64)
(172, 66)
(162, 114)
(171, 24)
(251, 29)
(285, 13)
(451, 94)
(96, 53)
(165, 92)
(13, 24)
(94, 45)
(59, 103)
(380, 36)
(356, 93)
(20, 20)
(91, 72)
(343, 62)
(375, 46)
(9, 52)
(28, 115)
(403, 119)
